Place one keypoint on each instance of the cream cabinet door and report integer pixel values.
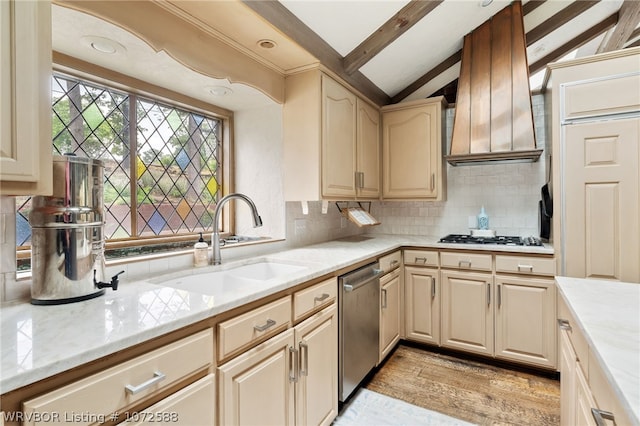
(368, 151)
(257, 387)
(467, 311)
(412, 152)
(422, 304)
(525, 327)
(25, 105)
(317, 386)
(567, 381)
(338, 140)
(584, 401)
(193, 405)
(602, 200)
(390, 312)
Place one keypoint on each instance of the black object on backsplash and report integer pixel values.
(498, 240)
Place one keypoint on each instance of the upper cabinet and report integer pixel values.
(331, 141)
(412, 145)
(25, 104)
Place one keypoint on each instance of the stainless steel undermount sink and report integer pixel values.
(240, 279)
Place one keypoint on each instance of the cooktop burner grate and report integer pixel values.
(500, 240)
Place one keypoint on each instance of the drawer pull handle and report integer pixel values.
(293, 364)
(322, 298)
(564, 324)
(488, 294)
(270, 323)
(600, 415)
(525, 267)
(157, 378)
(420, 259)
(304, 369)
(394, 263)
(464, 264)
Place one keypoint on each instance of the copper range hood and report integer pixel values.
(493, 118)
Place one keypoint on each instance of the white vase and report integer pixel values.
(483, 219)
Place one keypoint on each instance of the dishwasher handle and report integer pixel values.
(356, 285)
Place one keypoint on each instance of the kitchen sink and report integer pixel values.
(241, 279)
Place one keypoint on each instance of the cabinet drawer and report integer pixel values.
(593, 98)
(421, 258)
(577, 339)
(390, 261)
(458, 260)
(130, 382)
(317, 296)
(253, 326)
(526, 265)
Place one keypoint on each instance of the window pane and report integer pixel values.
(177, 169)
(175, 172)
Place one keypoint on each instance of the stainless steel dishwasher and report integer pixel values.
(359, 310)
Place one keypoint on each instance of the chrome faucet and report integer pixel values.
(215, 236)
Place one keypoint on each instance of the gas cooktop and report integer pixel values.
(500, 240)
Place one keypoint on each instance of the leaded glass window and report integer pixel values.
(167, 157)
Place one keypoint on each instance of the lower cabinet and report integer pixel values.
(289, 379)
(467, 311)
(525, 328)
(134, 382)
(258, 386)
(317, 385)
(422, 304)
(390, 312)
(193, 405)
(586, 395)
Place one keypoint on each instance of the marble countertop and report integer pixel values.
(40, 341)
(608, 313)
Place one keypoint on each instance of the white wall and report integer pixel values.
(258, 162)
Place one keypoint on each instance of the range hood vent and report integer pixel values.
(493, 118)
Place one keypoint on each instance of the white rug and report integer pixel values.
(369, 408)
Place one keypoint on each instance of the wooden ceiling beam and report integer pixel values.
(397, 25)
(559, 19)
(629, 17)
(531, 5)
(431, 74)
(284, 20)
(574, 43)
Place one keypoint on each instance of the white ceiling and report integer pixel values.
(343, 24)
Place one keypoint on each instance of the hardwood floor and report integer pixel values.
(467, 389)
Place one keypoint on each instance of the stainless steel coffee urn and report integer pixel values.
(67, 239)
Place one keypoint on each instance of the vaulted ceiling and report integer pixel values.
(403, 50)
(389, 50)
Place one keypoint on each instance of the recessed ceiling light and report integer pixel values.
(219, 90)
(485, 3)
(267, 44)
(103, 44)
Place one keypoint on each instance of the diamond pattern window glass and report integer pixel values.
(170, 159)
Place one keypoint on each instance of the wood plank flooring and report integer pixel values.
(467, 389)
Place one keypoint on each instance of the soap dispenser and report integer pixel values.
(483, 219)
(201, 253)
